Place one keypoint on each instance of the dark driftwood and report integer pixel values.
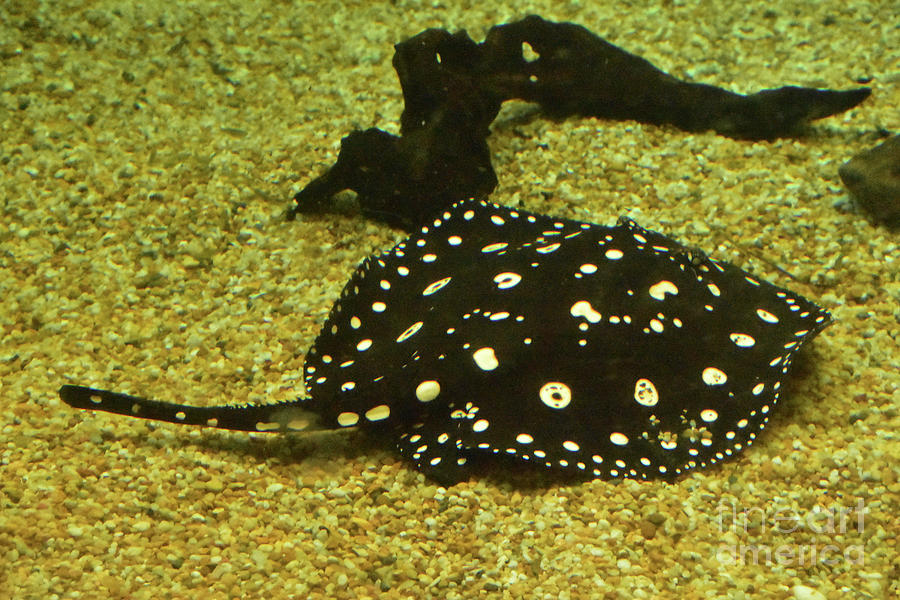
(453, 89)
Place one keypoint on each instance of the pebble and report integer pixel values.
(75, 531)
(803, 592)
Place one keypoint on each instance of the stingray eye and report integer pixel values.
(696, 256)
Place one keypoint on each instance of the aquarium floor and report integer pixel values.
(149, 152)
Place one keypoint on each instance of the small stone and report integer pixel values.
(802, 592)
(127, 171)
(75, 531)
(215, 485)
(648, 529)
(873, 178)
(657, 518)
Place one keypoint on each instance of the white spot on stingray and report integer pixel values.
(742, 340)
(555, 394)
(588, 268)
(347, 386)
(428, 390)
(659, 289)
(355, 322)
(709, 415)
(619, 439)
(402, 271)
(645, 393)
(486, 359)
(656, 325)
(614, 254)
(758, 388)
(494, 247)
(429, 258)
(714, 376)
(547, 249)
(364, 345)
(410, 331)
(385, 284)
(524, 438)
(378, 413)
(435, 286)
(583, 308)
(454, 240)
(379, 306)
(468, 215)
(348, 419)
(480, 425)
(571, 446)
(497, 220)
(766, 316)
(507, 280)
(435, 461)
(499, 316)
(714, 289)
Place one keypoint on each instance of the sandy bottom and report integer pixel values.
(148, 155)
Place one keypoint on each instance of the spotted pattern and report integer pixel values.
(517, 316)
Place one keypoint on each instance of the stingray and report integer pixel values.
(609, 352)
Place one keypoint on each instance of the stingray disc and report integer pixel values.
(614, 351)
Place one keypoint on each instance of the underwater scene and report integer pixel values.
(450, 300)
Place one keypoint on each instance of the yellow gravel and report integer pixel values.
(149, 151)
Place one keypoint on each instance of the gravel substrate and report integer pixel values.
(148, 154)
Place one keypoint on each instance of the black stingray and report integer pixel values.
(607, 351)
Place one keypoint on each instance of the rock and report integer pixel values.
(873, 178)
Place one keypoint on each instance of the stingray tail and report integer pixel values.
(282, 417)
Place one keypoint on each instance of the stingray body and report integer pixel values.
(606, 351)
